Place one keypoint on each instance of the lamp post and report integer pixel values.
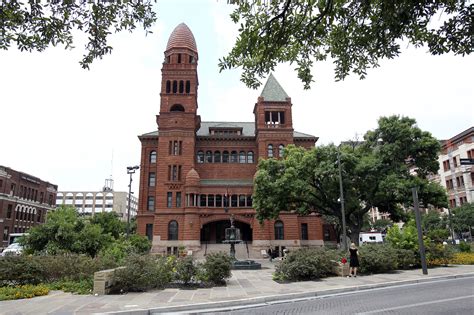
(418, 227)
(130, 170)
(343, 214)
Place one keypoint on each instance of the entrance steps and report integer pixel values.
(240, 250)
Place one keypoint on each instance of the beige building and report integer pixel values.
(456, 178)
(92, 202)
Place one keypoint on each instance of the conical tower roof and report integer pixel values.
(273, 92)
(182, 37)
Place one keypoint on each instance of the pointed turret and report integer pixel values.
(273, 92)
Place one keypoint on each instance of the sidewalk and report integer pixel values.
(245, 287)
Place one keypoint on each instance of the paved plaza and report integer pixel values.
(245, 287)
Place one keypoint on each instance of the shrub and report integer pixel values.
(20, 270)
(185, 270)
(217, 267)
(406, 258)
(22, 292)
(464, 247)
(305, 264)
(376, 258)
(84, 286)
(142, 273)
(462, 259)
(438, 254)
(36, 269)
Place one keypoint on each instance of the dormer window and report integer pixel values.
(225, 132)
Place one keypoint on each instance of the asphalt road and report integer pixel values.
(452, 296)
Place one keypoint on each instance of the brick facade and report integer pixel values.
(24, 202)
(204, 170)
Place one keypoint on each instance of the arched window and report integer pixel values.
(173, 231)
(242, 157)
(280, 150)
(153, 157)
(177, 108)
(200, 157)
(225, 157)
(188, 87)
(168, 86)
(217, 156)
(233, 157)
(270, 150)
(181, 87)
(209, 156)
(250, 157)
(175, 87)
(279, 233)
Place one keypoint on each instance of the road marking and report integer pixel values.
(415, 305)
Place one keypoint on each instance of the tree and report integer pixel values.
(34, 27)
(383, 224)
(374, 174)
(463, 218)
(110, 223)
(355, 34)
(66, 232)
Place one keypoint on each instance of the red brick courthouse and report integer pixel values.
(192, 171)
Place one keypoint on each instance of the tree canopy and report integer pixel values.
(32, 25)
(463, 218)
(375, 173)
(67, 232)
(354, 34)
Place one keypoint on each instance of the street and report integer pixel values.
(452, 296)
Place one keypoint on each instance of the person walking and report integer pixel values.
(354, 260)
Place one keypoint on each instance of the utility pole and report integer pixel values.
(130, 170)
(418, 227)
(344, 236)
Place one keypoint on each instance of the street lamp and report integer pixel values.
(344, 236)
(130, 170)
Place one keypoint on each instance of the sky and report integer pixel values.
(75, 127)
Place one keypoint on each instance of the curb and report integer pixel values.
(230, 305)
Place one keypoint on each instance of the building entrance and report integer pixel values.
(214, 232)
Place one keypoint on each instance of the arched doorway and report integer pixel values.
(214, 232)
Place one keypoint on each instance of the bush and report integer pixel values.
(185, 270)
(217, 268)
(406, 258)
(20, 270)
(464, 247)
(377, 258)
(305, 264)
(22, 292)
(142, 273)
(121, 248)
(438, 254)
(84, 286)
(462, 259)
(37, 269)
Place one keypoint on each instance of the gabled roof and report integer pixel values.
(273, 92)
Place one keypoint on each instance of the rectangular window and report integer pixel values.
(169, 199)
(219, 201)
(178, 199)
(210, 200)
(304, 231)
(149, 231)
(38, 218)
(179, 172)
(180, 147)
(249, 201)
(455, 161)
(1, 183)
(151, 203)
(151, 179)
(202, 202)
(446, 165)
(174, 175)
(242, 201)
(233, 201)
(9, 211)
(6, 232)
(169, 172)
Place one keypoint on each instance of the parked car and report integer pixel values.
(12, 249)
